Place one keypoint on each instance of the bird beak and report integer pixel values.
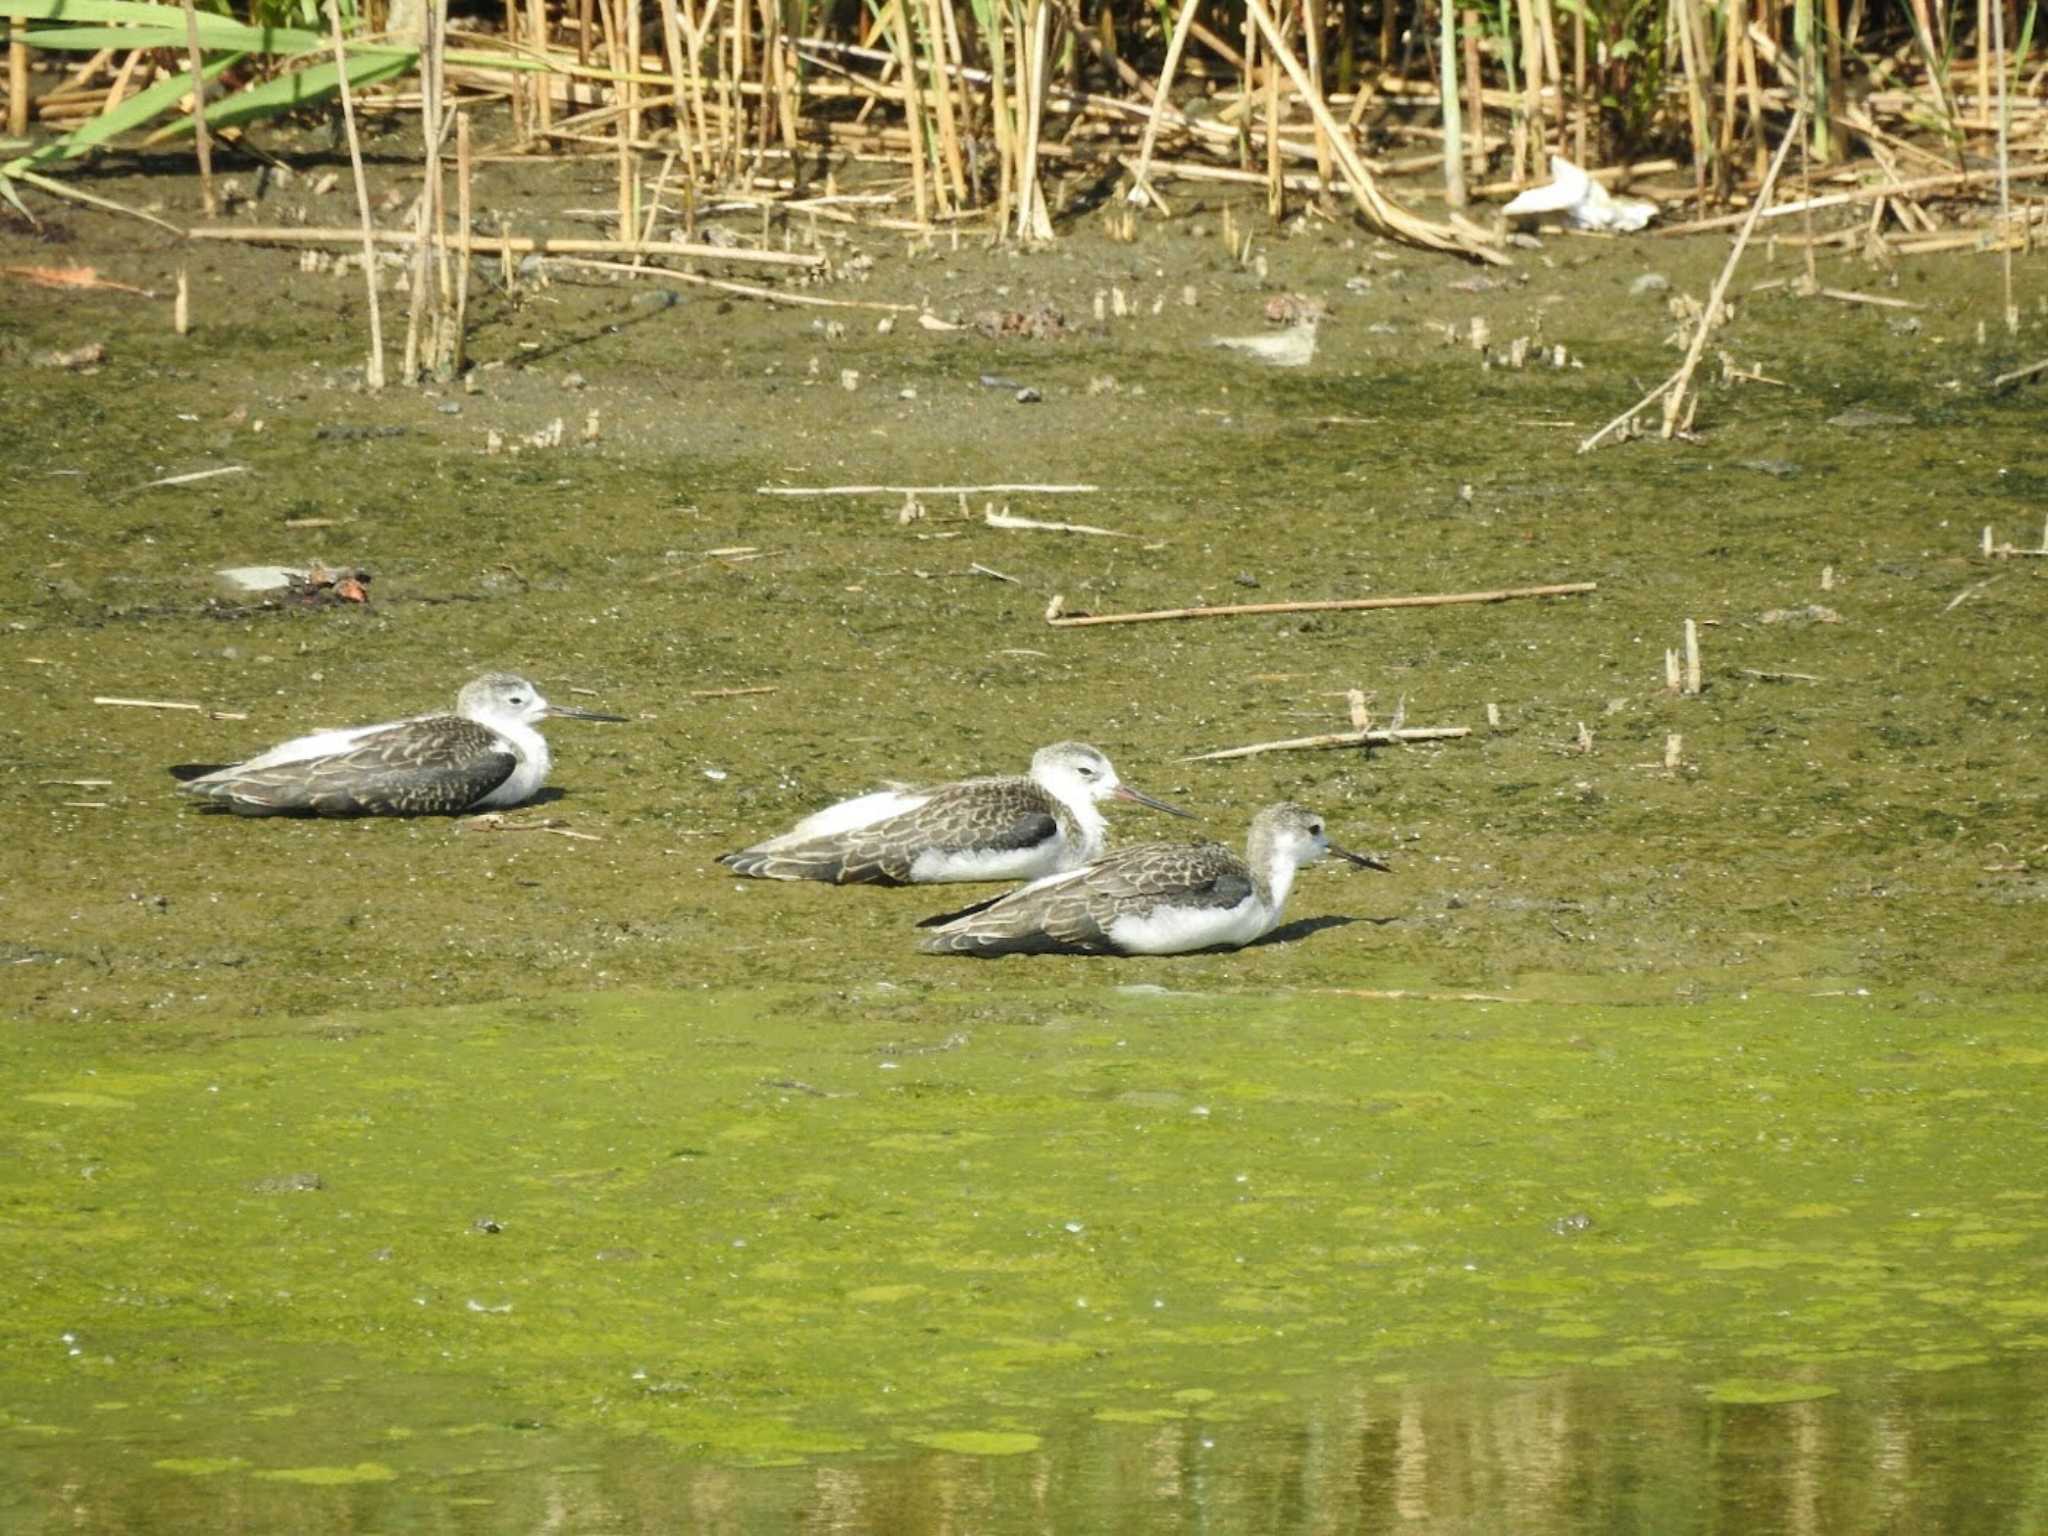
(1125, 792)
(1364, 860)
(562, 711)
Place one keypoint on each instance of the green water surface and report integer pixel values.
(1122, 1248)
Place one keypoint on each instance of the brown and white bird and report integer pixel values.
(1015, 827)
(1150, 898)
(485, 755)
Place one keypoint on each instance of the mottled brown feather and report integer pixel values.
(1074, 913)
(435, 766)
(975, 815)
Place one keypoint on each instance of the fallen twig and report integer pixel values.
(1969, 592)
(1236, 610)
(492, 821)
(1367, 738)
(2020, 373)
(1402, 995)
(1955, 179)
(197, 709)
(728, 693)
(192, 479)
(1672, 390)
(920, 490)
(728, 285)
(515, 245)
(1845, 296)
(995, 519)
(72, 277)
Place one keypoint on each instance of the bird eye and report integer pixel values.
(1315, 829)
(1085, 771)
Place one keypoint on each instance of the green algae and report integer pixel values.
(753, 1227)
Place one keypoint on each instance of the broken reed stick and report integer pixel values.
(519, 245)
(197, 709)
(728, 285)
(995, 519)
(727, 693)
(1672, 390)
(193, 478)
(1692, 657)
(916, 490)
(1375, 737)
(1401, 995)
(202, 141)
(2017, 374)
(1952, 180)
(17, 79)
(1174, 45)
(373, 374)
(1674, 399)
(1235, 610)
(1383, 216)
(1845, 296)
(458, 361)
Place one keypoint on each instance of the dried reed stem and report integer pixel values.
(373, 372)
(1382, 215)
(1334, 605)
(197, 709)
(517, 245)
(919, 490)
(1674, 399)
(1364, 738)
(202, 140)
(17, 79)
(463, 231)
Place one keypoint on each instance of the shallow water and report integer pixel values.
(1196, 1259)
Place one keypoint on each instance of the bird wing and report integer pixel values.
(1075, 910)
(994, 815)
(420, 767)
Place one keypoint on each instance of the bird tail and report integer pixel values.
(769, 863)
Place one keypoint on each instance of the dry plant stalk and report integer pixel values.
(1361, 738)
(517, 245)
(373, 373)
(1332, 605)
(202, 141)
(1674, 400)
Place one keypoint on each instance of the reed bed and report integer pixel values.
(1011, 117)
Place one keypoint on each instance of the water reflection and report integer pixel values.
(1955, 1451)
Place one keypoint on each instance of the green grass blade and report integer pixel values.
(131, 113)
(289, 92)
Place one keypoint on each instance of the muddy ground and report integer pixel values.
(1857, 800)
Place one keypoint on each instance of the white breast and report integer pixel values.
(1007, 864)
(1175, 930)
(531, 748)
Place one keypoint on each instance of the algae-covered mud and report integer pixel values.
(454, 1172)
(1294, 1260)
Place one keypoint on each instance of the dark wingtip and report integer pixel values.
(185, 773)
(939, 920)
